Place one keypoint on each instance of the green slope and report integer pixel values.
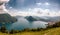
(52, 31)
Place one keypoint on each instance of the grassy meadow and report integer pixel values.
(51, 31)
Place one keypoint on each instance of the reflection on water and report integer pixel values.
(22, 23)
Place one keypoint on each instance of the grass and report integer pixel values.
(52, 31)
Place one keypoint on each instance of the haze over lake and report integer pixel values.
(22, 23)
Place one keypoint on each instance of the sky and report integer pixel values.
(44, 4)
(35, 5)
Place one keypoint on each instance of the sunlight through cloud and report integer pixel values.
(39, 4)
(47, 3)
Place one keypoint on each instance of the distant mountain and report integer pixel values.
(18, 16)
(43, 18)
(6, 18)
(55, 19)
(30, 18)
(36, 18)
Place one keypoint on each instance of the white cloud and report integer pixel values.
(4, 1)
(39, 4)
(47, 3)
(10, 7)
(35, 12)
(2, 7)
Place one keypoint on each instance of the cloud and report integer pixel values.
(35, 12)
(39, 4)
(2, 7)
(20, 1)
(21, 4)
(4, 1)
(47, 3)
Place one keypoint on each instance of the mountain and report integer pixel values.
(18, 16)
(30, 18)
(6, 18)
(36, 18)
(55, 19)
(43, 18)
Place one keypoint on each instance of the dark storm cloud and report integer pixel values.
(12, 3)
(55, 4)
(32, 3)
(55, 1)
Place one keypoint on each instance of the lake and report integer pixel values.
(22, 23)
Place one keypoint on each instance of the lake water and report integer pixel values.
(22, 23)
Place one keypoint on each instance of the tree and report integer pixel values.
(3, 29)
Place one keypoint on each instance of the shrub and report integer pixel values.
(3, 29)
